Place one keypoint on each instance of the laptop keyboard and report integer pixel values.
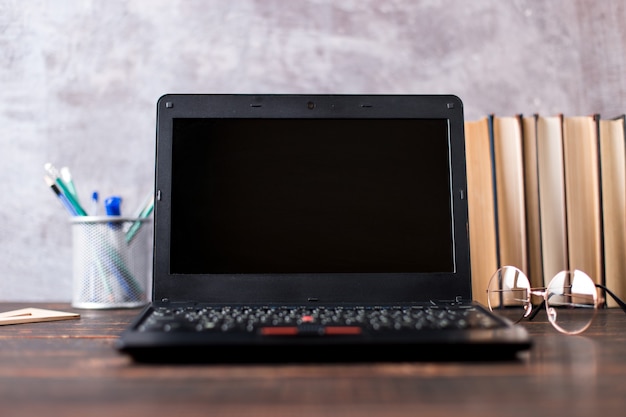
(281, 321)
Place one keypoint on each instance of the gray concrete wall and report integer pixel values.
(79, 81)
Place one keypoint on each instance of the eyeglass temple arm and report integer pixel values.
(538, 309)
(618, 300)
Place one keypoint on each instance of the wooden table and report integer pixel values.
(70, 368)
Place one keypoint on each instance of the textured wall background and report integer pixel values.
(79, 81)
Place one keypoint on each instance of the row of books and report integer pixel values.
(546, 194)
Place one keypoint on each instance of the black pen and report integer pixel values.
(60, 195)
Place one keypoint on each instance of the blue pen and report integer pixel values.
(112, 206)
(60, 195)
(54, 174)
(94, 203)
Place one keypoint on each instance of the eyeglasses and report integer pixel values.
(571, 298)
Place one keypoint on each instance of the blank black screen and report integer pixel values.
(311, 196)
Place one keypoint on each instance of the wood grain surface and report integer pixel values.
(70, 368)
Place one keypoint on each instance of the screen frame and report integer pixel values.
(322, 288)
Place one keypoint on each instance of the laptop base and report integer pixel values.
(476, 345)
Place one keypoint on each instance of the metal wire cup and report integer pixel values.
(571, 298)
(111, 262)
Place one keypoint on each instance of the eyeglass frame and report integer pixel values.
(541, 292)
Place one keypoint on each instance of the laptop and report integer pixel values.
(313, 228)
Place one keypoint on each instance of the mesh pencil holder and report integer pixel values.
(112, 262)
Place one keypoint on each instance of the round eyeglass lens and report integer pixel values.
(571, 301)
(509, 290)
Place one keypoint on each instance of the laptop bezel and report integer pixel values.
(326, 288)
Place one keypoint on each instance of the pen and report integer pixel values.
(66, 176)
(145, 211)
(54, 174)
(94, 203)
(145, 205)
(112, 206)
(60, 195)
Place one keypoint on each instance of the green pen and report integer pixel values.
(66, 176)
(145, 212)
(52, 171)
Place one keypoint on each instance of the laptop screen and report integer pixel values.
(311, 196)
(294, 198)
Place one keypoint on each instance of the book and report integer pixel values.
(481, 206)
(551, 184)
(582, 195)
(531, 195)
(613, 183)
(509, 185)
